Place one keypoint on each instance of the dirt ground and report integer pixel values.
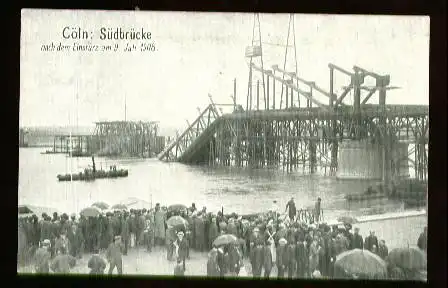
(396, 233)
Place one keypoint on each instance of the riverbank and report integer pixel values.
(397, 232)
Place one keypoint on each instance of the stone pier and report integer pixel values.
(363, 160)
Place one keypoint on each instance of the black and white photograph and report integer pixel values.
(223, 145)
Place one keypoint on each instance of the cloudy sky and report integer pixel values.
(201, 53)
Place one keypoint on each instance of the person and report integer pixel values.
(267, 259)
(282, 257)
(301, 258)
(257, 254)
(114, 256)
(422, 241)
(383, 251)
(370, 241)
(182, 247)
(179, 269)
(357, 241)
(291, 208)
(149, 235)
(75, 239)
(62, 242)
(62, 262)
(317, 210)
(42, 258)
(212, 263)
(125, 234)
(96, 264)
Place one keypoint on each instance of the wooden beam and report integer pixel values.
(339, 100)
(368, 96)
(309, 83)
(305, 94)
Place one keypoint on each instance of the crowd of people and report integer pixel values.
(297, 247)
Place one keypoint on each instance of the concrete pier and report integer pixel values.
(359, 160)
(363, 160)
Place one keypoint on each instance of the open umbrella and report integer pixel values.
(176, 221)
(101, 205)
(225, 240)
(177, 207)
(411, 258)
(90, 212)
(361, 264)
(119, 207)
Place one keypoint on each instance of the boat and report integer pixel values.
(92, 174)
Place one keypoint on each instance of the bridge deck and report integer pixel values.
(318, 113)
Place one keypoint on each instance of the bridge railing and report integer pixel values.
(179, 145)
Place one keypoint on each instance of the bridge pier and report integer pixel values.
(361, 159)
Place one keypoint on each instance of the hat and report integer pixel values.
(46, 242)
(316, 274)
(282, 241)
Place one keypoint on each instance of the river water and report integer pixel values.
(237, 190)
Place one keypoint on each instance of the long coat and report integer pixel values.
(313, 256)
(212, 264)
(199, 232)
(267, 259)
(282, 256)
(357, 242)
(159, 220)
(212, 232)
(257, 260)
(370, 241)
(125, 232)
(45, 230)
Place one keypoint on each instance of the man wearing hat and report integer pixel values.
(96, 264)
(182, 247)
(114, 256)
(76, 240)
(291, 206)
(42, 258)
(370, 241)
(282, 257)
(357, 241)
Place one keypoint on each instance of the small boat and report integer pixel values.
(92, 174)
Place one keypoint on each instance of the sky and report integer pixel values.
(199, 54)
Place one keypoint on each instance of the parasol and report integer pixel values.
(176, 221)
(409, 258)
(225, 240)
(100, 205)
(90, 212)
(361, 264)
(119, 207)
